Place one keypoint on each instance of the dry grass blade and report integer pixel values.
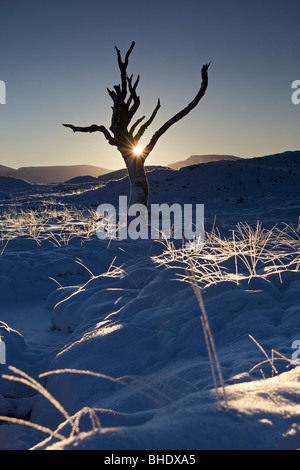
(212, 352)
(29, 424)
(120, 380)
(30, 382)
(271, 361)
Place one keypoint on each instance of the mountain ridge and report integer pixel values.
(197, 159)
(91, 173)
(51, 173)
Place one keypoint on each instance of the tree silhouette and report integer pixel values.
(126, 103)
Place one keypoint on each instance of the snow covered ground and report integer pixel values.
(105, 346)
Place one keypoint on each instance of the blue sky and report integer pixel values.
(58, 58)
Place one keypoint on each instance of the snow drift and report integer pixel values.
(110, 335)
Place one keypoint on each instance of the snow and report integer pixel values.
(124, 333)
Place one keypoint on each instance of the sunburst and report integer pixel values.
(137, 150)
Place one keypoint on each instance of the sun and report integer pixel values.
(137, 150)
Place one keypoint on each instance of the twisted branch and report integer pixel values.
(123, 67)
(123, 112)
(94, 128)
(144, 127)
(181, 114)
(132, 129)
(133, 97)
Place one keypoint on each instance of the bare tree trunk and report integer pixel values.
(139, 189)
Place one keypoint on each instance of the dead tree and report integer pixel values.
(125, 135)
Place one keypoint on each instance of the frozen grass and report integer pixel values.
(58, 226)
(25, 379)
(275, 356)
(137, 384)
(209, 340)
(70, 425)
(246, 253)
(249, 252)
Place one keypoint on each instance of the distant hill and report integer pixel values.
(221, 185)
(196, 159)
(5, 169)
(112, 175)
(8, 184)
(284, 161)
(52, 174)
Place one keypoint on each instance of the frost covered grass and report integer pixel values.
(70, 426)
(155, 342)
(275, 356)
(72, 421)
(49, 222)
(249, 252)
(209, 340)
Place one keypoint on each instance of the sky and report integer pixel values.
(57, 58)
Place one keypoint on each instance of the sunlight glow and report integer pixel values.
(138, 150)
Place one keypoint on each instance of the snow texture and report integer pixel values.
(125, 332)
